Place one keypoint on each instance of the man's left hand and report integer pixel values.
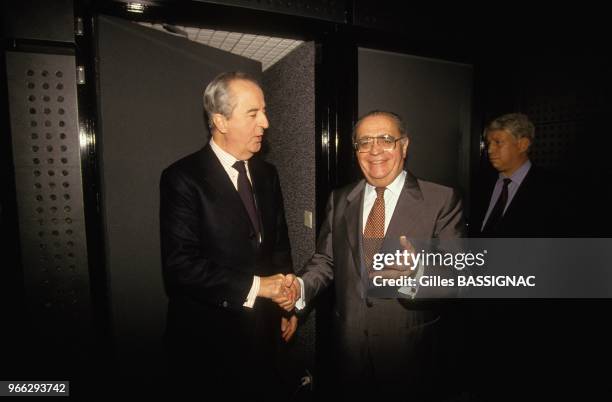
(288, 327)
(397, 271)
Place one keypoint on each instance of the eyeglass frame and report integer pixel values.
(374, 140)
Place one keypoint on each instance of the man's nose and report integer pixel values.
(376, 148)
(263, 121)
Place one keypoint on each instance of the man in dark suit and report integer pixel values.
(382, 345)
(225, 248)
(521, 200)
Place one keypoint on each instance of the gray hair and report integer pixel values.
(401, 127)
(217, 96)
(517, 124)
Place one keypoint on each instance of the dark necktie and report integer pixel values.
(374, 232)
(498, 209)
(246, 193)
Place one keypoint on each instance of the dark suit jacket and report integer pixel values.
(390, 336)
(538, 209)
(210, 253)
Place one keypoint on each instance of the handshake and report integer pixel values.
(284, 290)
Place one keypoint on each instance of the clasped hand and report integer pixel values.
(284, 290)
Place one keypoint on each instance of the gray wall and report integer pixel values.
(151, 86)
(290, 101)
(434, 99)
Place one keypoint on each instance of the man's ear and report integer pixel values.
(524, 143)
(220, 122)
(405, 142)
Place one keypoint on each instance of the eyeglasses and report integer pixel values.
(386, 142)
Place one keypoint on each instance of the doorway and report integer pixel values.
(151, 83)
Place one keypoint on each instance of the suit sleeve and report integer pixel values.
(450, 224)
(187, 270)
(318, 273)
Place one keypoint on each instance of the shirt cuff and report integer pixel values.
(300, 303)
(250, 300)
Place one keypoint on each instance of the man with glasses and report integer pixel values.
(383, 346)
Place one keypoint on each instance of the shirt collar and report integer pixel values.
(395, 187)
(227, 159)
(518, 176)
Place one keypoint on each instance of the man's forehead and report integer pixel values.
(498, 133)
(377, 125)
(246, 93)
(244, 86)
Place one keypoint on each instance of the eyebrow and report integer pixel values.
(379, 135)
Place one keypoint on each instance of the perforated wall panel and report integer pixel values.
(559, 123)
(44, 127)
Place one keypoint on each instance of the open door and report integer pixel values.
(151, 113)
(434, 97)
(151, 86)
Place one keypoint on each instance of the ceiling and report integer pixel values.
(265, 49)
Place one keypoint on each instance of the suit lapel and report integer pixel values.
(353, 221)
(406, 219)
(259, 192)
(221, 185)
(521, 193)
(485, 203)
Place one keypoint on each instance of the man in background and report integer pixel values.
(522, 200)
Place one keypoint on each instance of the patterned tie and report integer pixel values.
(374, 232)
(246, 193)
(498, 209)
